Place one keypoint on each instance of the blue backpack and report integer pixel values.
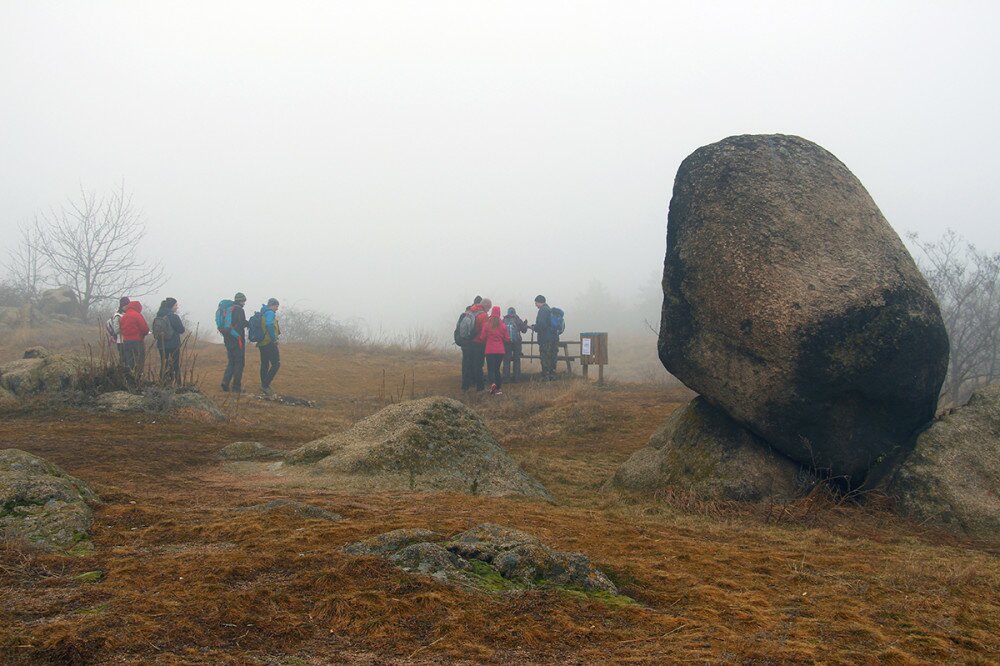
(557, 319)
(255, 327)
(224, 317)
(513, 330)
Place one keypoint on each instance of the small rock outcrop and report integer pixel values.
(952, 477)
(42, 505)
(485, 554)
(701, 450)
(249, 451)
(791, 304)
(48, 373)
(435, 444)
(59, 301)
(157, 399)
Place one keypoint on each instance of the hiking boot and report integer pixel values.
(225, 389)
(265, 390)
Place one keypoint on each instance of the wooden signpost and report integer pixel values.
(594, 351)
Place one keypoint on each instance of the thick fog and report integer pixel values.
(390, 160)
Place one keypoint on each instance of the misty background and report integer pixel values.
(387, 161)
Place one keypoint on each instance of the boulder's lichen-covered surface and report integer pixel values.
(42, 374)
(40, 504)
(486, 555)
(952, 477)
(435, 444)
(791, 303)
(701, 450)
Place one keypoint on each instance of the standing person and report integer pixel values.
(114, 326)
(465, 337)
(235, 339)
(133, 332)
(167, 331)
(494, 337)
(270, 359)
(512, 358)
(479, 349)
(548, 339)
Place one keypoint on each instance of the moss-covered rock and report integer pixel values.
(42, 374)
(248, 451)
(701, 450)
(952, 477)
(42, 505)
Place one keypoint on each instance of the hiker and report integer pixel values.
(466, 333)
(494, 337)
(133, 333)
(231, 320)
(548, 338)
(512, 355)
(167, 331)
(114, 327)
(267, 322)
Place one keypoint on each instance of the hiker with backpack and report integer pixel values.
(231, 322)
(263, 330)
(114, 329)
(470, 324)
(549, 325)
(494, 337)
(516, 327)
(133, 333)
(167, 330)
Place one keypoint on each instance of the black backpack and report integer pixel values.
(465, 329)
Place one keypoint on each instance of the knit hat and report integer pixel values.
(511, 311)
(168, 302)
(539, 299)
(123, 301)
(477, 300)
(240, 297)
(272, 301)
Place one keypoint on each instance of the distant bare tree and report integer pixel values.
(966, 283)
(26, 264)
(90, 246)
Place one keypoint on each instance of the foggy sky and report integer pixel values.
(390, 160)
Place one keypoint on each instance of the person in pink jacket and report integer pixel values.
(495, 336)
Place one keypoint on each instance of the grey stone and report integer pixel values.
(60, 301)
(952, 477)
(429, 559)
(701, 450)
(791, 304)
(390, 542)
(120, 402)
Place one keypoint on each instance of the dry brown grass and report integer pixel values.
(188, 580)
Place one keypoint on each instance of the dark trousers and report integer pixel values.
(270, 361)
(121, 352)
(135, 357)
(512, 361)
(170, 366)
(236, 355)
(548, 349)
(493, 362)
(472, 366)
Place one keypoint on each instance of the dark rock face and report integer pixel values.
(952, 478)
(701, 450)
(791, 303)
(60, 301)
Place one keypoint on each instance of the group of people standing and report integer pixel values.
(487, 337)
(127, 330)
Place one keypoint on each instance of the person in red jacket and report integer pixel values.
(134, 330)
(495, 336)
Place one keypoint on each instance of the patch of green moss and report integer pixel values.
(82, 546)
(89, 577)
(490, 579)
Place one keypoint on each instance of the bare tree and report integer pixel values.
(966, 283)
(27, 265)
(90, 245)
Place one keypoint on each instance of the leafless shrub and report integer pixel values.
(966, 283)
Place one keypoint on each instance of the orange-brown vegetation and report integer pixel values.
(185, 579)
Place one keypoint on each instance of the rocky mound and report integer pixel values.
(42, 505)
(952, 478)
(486, 555)
(41, 372)
(435, 444)
(790, 303)
(249, 451)
(701, 450)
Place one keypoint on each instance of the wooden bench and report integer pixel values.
(563, 345)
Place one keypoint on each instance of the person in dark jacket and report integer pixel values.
(134, 329)
(270, 359)
(472, 354)
(548, 339)
(236, 341)
(516, 327)
(169, 343)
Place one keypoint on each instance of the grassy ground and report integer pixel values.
(185, 579)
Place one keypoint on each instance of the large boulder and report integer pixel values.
(40, 504)
(789, 302)
(435, 444)
(42, 374)
(701, 450)
(952, 477)
(59, 301)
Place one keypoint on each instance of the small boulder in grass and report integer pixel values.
(249, 451)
